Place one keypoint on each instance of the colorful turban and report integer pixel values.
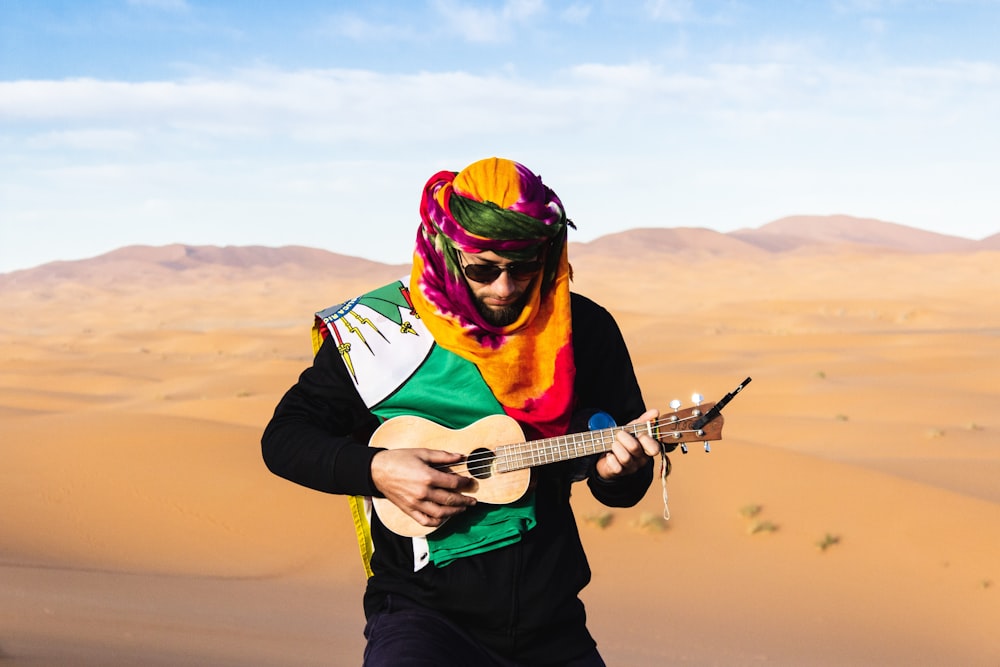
(500, 206)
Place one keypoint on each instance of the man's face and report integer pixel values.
(500, 300)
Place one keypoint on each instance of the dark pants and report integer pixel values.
(407, 635)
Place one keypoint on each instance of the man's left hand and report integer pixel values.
(629, 453)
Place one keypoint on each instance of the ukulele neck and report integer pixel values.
(566, 447)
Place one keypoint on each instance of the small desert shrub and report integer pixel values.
(828, 541)
(764, 526)
(651, 522)
(600, 519)
(750, 511)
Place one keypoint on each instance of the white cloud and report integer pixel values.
(109, 140)
(274, 108)
(874, 26)
(670, 11)
(360, 29)
(486, 24)
(266, 102)
(576, 13)
(336, 104)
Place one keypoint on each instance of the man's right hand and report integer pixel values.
(408, 478)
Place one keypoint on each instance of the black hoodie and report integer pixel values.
(521, 600)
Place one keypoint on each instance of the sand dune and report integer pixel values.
(850, 515)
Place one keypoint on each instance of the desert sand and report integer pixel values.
(849, 516)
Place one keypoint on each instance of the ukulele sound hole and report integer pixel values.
(480, 463)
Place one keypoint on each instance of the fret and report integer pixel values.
(502, 460)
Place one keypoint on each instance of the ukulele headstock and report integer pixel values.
(697, 423)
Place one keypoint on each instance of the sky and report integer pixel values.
(208, 122)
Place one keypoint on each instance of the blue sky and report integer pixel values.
(316, 123)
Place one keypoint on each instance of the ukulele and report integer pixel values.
(498, 458)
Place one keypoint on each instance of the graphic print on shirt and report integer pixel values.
(381, 339)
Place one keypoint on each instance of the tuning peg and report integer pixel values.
(674, 405)
(698, 398)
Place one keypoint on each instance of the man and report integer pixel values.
(486, 325)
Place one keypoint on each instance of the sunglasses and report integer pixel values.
(487, 273)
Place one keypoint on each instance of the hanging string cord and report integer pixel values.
(664, 471)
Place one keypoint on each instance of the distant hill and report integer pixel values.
(990, 243)
(173, 261)
(677, 241)
(800, 231)
(792, 234)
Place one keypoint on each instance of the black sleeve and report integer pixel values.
(605, 380)
(319, 432)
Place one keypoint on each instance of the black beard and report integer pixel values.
(504, 316)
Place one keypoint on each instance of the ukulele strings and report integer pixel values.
(477, 462)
